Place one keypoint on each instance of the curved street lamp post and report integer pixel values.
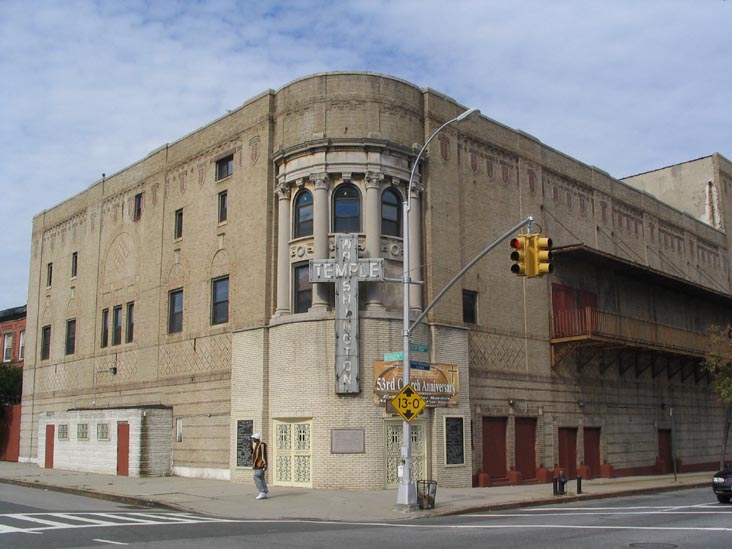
(407, 495)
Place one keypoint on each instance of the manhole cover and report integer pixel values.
(653, 545)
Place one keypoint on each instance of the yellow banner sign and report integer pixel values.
(438, 384)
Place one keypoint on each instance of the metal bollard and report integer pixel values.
(555, 483)
(579, 484)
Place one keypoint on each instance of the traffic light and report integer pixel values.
(519, 254)
(542, 255)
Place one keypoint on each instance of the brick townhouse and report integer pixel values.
(171, 309)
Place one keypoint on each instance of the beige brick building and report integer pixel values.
(180, 284)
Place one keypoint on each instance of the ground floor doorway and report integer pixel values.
(568, 452)
(393, 433)
(293, 453)
(494, 447)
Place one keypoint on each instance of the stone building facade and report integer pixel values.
(191, 291)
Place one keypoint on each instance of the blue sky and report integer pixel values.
(89, 87)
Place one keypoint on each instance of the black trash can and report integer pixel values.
(426, 492)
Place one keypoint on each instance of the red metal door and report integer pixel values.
(123, 449)
(568, 452)
(9, 432)
(494, 447)
(526, 447)
(50, 438)
(665, 454)
(592, 450)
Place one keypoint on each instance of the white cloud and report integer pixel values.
(90, 87)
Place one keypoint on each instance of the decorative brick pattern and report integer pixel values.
(496, 352)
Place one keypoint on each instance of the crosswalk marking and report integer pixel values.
(39, 522)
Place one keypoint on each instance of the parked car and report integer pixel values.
(722, 484)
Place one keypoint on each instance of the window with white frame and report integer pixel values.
(21, 348)
(8, 347)
(82, 431)
(63, 432)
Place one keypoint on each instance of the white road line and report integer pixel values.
(539, 510)
(4, 529)
(38, 520)
(126, 518)
(109, 541)
(80, 518)
(606, 513)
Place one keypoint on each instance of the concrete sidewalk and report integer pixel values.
(230, 500)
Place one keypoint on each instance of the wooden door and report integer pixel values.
(665, 453)
(586, 312)
(568, 452)
(592, 450)
(526, 447)
(123, 449)
(494, 447)
(563, 311)
(50, 438)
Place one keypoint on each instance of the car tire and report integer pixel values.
(723, 499)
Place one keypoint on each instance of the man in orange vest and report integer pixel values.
(259, 464)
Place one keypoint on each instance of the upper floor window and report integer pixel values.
(137, 211)
(8, 348)
(70, 336)
(391, 213)
(49, 275)
(470, 307)
(220, 300)
(105, 327)
(21, 348)
(130, 322)
(304, 214)
(223, 206)
(74, 264)
(224, 167)
(178, 231)
(175, 311)
(45, 342)
(346, 209)
(303, 289)
(117, 325)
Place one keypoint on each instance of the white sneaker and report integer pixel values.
(262, 495)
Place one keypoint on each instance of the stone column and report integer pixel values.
(283, 248)
(321, 218)
(415, 247)
(372, 228)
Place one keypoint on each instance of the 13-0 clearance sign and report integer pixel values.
(408, 403)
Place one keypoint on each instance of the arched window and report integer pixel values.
(346, 209)
(391, 213)
(304, 214)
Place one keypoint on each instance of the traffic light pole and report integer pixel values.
(477, 258)
(407, 493)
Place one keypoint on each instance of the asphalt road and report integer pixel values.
(689, 518)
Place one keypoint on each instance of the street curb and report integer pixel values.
(559, 500)
(88, 492)
(554, 500)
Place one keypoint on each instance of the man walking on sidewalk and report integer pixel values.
(259, 464)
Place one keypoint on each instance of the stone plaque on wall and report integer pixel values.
(244, 443)
(347, 441)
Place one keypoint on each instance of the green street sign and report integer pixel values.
(419, 348)
(390, 357)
